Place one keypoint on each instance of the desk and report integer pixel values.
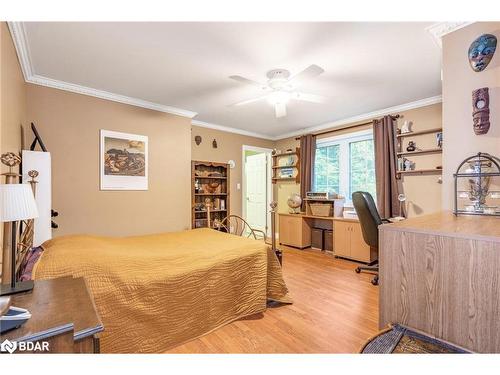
(63, 314)
(295, 231)
(440, 274)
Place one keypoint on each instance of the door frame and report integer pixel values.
(269, 187)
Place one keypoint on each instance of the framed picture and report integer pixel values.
(123, 161)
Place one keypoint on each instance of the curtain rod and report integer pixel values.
(394, 117)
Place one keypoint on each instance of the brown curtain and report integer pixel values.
(307, 156)
(384, 135)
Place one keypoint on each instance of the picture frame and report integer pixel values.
(123, 161)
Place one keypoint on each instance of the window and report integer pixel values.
(345, 164)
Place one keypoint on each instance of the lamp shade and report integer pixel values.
(17, 202)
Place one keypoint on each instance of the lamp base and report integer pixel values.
(20, 287)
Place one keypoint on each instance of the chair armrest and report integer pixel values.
(264, 237)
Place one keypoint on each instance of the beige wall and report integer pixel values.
(423, 192)
(12, 102)
(12, 94)
(459, 80)
(229, 146)
(69, 125)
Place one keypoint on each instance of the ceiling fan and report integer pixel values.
(280, 88)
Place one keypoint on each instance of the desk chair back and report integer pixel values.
(368, 216)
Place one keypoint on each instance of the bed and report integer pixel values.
(158, 291)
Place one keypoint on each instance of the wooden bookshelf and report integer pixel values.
(209, 180)
(276, 168)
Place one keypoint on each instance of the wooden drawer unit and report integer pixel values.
(349, 242)
(294, 231)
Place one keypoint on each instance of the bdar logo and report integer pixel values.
(8, 346)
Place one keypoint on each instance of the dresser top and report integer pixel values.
(445, 223)
(55, 305)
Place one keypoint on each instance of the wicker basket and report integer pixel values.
(321, 209)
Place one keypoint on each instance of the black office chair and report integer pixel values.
(370, 220)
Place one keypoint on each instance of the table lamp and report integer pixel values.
(17, 203)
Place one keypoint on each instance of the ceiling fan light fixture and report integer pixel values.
(278, 97)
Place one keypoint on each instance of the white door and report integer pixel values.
(256, 191)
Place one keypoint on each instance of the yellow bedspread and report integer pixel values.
(158, 291)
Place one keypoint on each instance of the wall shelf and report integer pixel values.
(276, 168)
(286, 154)
(421, 152)
(402, 155)
(421, 132)
(421, 171)
(285, 166)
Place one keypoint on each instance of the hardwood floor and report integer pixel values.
(335, 310)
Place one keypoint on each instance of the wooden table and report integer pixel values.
(63, 314)
(440, 274)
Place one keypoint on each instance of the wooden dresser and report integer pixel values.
(440, 274)
(63, 314)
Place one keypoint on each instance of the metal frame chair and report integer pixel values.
(236, 225)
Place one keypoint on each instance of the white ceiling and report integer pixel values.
(368, 66)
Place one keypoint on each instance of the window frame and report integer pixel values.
(344, 141)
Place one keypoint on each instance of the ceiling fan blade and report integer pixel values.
(310, 72)
(247, 81)
(248, 101)
(280, 109)
(308, 97)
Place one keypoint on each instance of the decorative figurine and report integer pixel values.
(481, 110)
(10, 159)
(481, 51)
(197, 140)
(439, 139)
(409, 165)
(411, 146)
(406, 128)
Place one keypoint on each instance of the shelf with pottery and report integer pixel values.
(210, 186)
(294, 164)
(406, 166)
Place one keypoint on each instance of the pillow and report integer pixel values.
(30, 261)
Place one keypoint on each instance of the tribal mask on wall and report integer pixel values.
(481, 51)
(481, 110)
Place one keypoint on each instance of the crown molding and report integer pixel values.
(228, 129)
(366, 116)
(440, 29)
(101, 94)
(18, 33)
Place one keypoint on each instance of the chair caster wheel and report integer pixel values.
(375, 281)
(358, 270)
